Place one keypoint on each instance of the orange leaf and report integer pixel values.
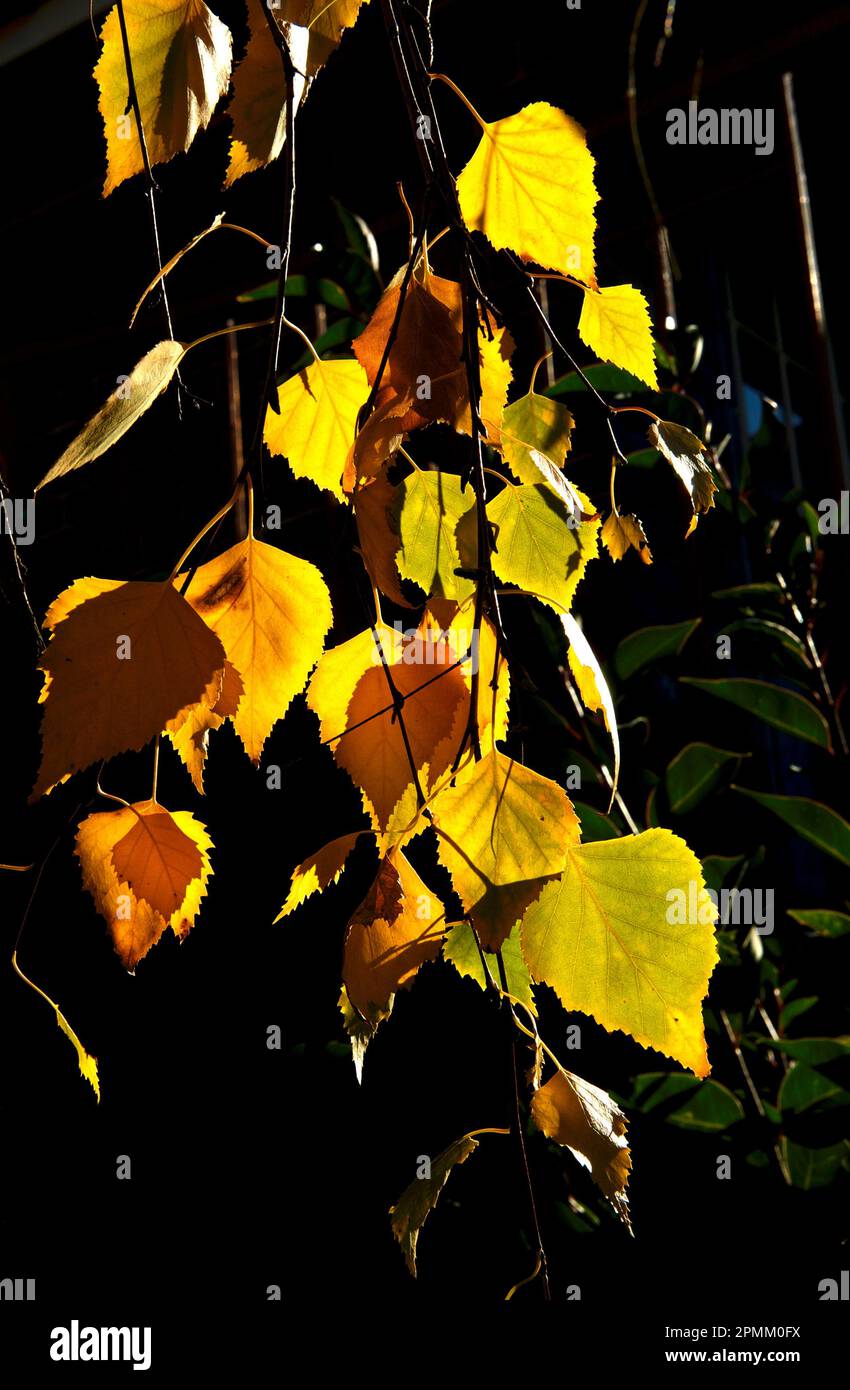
(121, 664)
(157, 860)
(396, 929)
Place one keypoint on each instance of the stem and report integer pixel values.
(222, 512)
(547, 1293)
(133, 100)
(441, 77)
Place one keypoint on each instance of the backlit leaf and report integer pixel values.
(157, 860)
(181, 56)
(272, 612)
(613, 937)
(689, 460)
(318, 871)
(128, 401)
(134, 925)
(502, 832)
(317, 422)
(621, 533)
(119, 666)
(461, 949)
(529, 186)
(587, 1121)
(430, 505)
(258, 105)
(592, 685)
(615, 323)
(419, 1199)
(537, 547)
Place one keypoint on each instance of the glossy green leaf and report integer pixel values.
(816, 1052)
(821, 921)
(807, 1168)
(650, 644)
(717, 868)
(682, 1101)
(595, 825)
(781, 708)
(697, 771)
(804, 1087)
(811, 820)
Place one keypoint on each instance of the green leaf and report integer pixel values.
(777, 633)
(750, 593)
(682, 1101)
(797, 1008)
(595, 825)
(429, 505)
(539, 545)
(822, 921)
(650, 644)
(781, 708)
(321, 291)
(604, 377)
(697, 771)
(811, 820)
(461, 949)
(804, 1087)
(816, 1052)
(807, 1168)
(717, 868)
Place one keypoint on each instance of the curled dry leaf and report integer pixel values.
(120, 665)
(190, 735)
(128, 401)
(419, 1199)
(622, 532)
(181, 55)
(376, 513)
(587, 1121)
(593, 687)
(689, 459)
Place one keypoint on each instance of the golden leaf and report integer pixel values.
(120, 665)
(396, 929)
(615, 323)
(317, 422)
(318, 871)
(587, 1121)
(622, 532)
(181, 57)
(529, 186)
(272, 612)
(157, 860)
(688, 458)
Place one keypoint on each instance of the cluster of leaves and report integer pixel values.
(416, 722)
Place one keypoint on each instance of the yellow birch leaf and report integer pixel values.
(272, 612)
(128, 401)
(120, 665)
(350, 693)
(134, 925)
(593, 687)
(620, 533)
(615, 324)
(318, 420)
(587, 1121)
(361, 1028)
(529, 186)
(535, 437)
(318, 871)
(258, 105)
(502, 832)
(181, 56)
(625, 934)
(87, 1063)
(396, 929)
(430, 504)
(542, 546)
(157, 859)
(326, 20)
(461, 949)
(190, 737)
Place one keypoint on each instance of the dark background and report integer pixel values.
(253, 1167)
